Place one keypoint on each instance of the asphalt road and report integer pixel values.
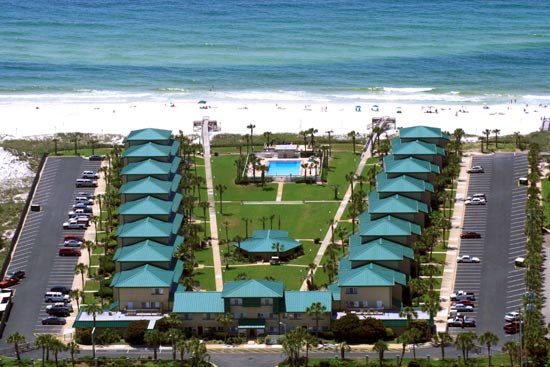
(36, 251)
(497, 283)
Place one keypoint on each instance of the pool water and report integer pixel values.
(283, 168)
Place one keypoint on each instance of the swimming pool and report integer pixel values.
(283, 168)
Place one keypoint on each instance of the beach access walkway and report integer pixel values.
(212, 209)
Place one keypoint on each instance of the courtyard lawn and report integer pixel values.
(305, 221)
(310, 250)
(292, 276)
(320, 278)
(224, 173)
(205, 277)
(204, 257)
(545, 202)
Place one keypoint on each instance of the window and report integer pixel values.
(351, 290)
(157, 291)
(261, 315)
(239, 315)
(267, 301)
(187, 316)
(295, 316)
(236, 301)
(208, 316)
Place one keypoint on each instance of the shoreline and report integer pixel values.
(27, 119)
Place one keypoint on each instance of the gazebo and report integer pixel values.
(264, 244)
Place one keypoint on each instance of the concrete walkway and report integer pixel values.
(328, 236)
(453, 248)
(212, 209)
(280, 187)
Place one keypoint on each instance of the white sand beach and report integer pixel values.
(26, 119)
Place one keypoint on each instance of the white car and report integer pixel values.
(475, 201)
(467, 259)
(90, 174)
(512, 316)
(462, 308)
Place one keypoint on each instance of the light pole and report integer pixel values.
(366, 359)
(397, 360)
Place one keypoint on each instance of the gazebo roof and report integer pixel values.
(263, 241)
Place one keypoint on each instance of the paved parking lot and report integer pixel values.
(41, 236)
(498, 285)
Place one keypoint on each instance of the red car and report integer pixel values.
(465, 302)
(512, 327)
(8, 283)
(470, 235)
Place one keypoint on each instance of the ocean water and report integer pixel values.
(425, 50)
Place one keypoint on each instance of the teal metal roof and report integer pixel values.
(198, 302)
(408, 165)
(386, 226)
(416, 147)
(419, 132)
(150, 205)
(402, 183)
(253, 289)
(380, 250)
(151, 167)
(263, 240)
(150, 228)
(149, 134)
(151, 150)
(151, 185)
(145, 276)
(144, 251)
(370, 275)
(335, 290)
(394, 204)
(297, 301)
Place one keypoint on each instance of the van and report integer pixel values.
(85, 182)
(60, 288)
(56, 297)
(69, 251)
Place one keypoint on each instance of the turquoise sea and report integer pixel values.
(424, 50)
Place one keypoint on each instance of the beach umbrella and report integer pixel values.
(202, 101)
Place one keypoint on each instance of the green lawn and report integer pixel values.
(292, 276)
(91, 285)
(304, 221)
(205, 276)
(310, 250)
(205, 257)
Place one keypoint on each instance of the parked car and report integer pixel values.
(460, 295)
(461, 322)
(512, 327)
(88, 211)
(96, 157)
(17, 275)
(466, 302)
(74, 225)
(60, 288)
(89, 174)
(72, 243)
(476, 169)
(475, 201)
(85, 182)
(467, 259)
(89, 195)
(82, 206)
(68, 306)
(69, 251)
(54, 320)
(83, 199)
(59, 311)
(470, 235)
(73, 237)
(8, 283)
(462, 307)
(519, 262)
(512, 316)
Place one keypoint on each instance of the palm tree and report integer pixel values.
(88, 245)
(153, 338)
(432, 306)
(246, 222)
(489, 339)
(76, 294)
(316, 311)
(517, 139)
(443, 338)
(221, 189)
(181, 345)
(409, 313)
(73, 349)
(343, 347)
(465, 343)
(380, 346)
(251, 127)
(198, 351)
(292, 342)
(496, 132)
(404, 340)
(414, 336)
(329, 132)
(487, 132)
(43, 341)
(81, 269)
(341, 233)
(352, 134)
(93, 310)
(350, 177)
(57, 346)
(277, 247)
(267, 136)
(16, 338)
(225, 320)
(512, 348)
(204, 205)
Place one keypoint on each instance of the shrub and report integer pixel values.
(107, 336)
(135, 332)
(84, 336)
(352, 330)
